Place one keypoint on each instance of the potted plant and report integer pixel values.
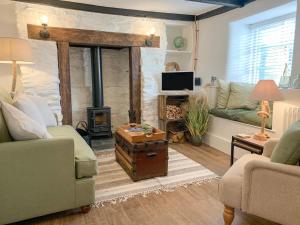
(197, 114)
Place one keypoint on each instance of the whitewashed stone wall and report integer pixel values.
(42, 77)
(81, 83)
(115, 66)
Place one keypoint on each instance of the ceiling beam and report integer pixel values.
(227, 6)
(214, 12)
(220, 10)
(228, 3)
(110, 10)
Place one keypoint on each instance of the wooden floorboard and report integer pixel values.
(195, 205)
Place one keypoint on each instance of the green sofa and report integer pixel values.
(44, 176)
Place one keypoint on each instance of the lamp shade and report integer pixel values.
(15, 49)
(266, 90)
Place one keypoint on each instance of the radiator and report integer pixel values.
(291, 114)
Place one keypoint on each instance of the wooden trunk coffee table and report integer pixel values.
(142, 156)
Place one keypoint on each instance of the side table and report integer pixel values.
(248, 144)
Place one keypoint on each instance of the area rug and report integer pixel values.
(114, 185)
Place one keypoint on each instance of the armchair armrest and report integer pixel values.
(36, 177)
(271, 190)
(269, 147)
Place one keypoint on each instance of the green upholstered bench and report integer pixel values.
(233, 102)
(241, 115)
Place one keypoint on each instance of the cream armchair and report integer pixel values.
(262, 188)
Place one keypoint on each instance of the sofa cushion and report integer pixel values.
(21, 127)
(239, 97)
(287, 150)
(230, 186)
(47, 115)
(86, 164)
(27, 106)
(241, 115)
(4, 134)
(222, 94)
(251, 117)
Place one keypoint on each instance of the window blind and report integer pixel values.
(265, 50)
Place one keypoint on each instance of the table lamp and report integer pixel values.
(265, 91)
(14, 51)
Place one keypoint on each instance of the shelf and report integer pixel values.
(178, 52)
(175, 120)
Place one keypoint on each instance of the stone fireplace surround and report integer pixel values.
(115, 80)
(42, 77)
(115, 84)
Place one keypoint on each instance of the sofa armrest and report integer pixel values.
(271, 190)
(37, 177)
(68, 143)
(269, 147)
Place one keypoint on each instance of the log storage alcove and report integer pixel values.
(66, 37)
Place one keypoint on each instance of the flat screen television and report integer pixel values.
(177, 81)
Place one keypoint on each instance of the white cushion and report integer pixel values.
(47, 114)
(27, 106)
(21, 127)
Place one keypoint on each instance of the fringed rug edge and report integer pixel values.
(156, 190)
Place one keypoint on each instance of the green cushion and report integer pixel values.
(223, 94)
(225, 113)
(250, 117)
(287, 151)
(241, 115)
(4, 134)
(86, 164)
(239, 97)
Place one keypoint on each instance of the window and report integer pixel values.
(263, 50)
(271, 48)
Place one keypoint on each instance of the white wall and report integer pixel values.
(213, 57)
(214, 38)
(296, 59)
(42, 77)
(8, 28)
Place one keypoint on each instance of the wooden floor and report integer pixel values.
(197, 204)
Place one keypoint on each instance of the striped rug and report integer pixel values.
(114, 185)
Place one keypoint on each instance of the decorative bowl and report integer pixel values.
(178, 42)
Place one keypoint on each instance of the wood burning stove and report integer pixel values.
(99, 116)
(99, 121)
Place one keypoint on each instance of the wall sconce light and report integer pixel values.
(149, 41)
(44, 33)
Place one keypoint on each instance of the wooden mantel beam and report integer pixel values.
(92, 37)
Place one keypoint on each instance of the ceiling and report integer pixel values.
(168, 6)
